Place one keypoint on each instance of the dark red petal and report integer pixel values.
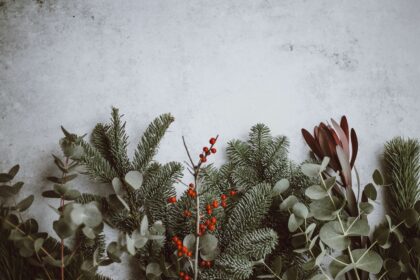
(312, 143)
(327, 143)
(345, 126)
(335, 137)
(354, 147)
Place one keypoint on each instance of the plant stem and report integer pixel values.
(271, 271)
(197, 243)
(62, 240)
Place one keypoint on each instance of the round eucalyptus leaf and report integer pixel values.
(316, 192)
(117, 185)
(277, 265)
(319, 277)
(359, 227)
(324, 210)
(61, 188)
(300, 210)
(381, 235)
(63, 229)
(288, 203)
(144, 225)
(91, 216)
(130, 244)
(324, 164)
(311, 169)
(189, 241)
(208, 243)
(280, 187)
(332, 235)
(367, 260)
(340, 267)
(134, 179)
(294, 222)
(370, 191)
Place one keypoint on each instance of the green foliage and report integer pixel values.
(402, 163)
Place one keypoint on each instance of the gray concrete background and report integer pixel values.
(218, 66)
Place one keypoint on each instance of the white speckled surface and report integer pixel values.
(218, 66)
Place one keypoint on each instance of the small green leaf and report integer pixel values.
(332, 235)
(276, 265)
(88, 232)
(294, 222)
(71, 195)
(324, 209)
(25, 204)
(114, 252)
(63, 229)
(324, 164)
(50, 194)
(370, 191)
(288, 203)
(367, 260)
(280, 187)
(144, 225)
(378, 178)
(311, 169)
(14, 170)
(134, 179)
(366, 207)
(300, 210)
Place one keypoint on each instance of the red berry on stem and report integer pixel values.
(213, 150)
(232, 193)
(223, 197)
(191, 185)
(215, 203)
(213, 220)
(181, 273)
(224, 204)
(203, 159)
(211, 227)
(205, 149)
(179, 254)
(212, 141)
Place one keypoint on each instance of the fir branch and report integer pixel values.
(248, 212)
(100, 140)
(238, 267)
(96, 166)
(402, 159)
(118, 141)
(148, 145)
(255, 244)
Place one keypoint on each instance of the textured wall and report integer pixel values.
(218, 66)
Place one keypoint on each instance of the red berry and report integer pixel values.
(232, 193)
(202, 263)
(213, 220)
(224, 204)
(202, 156)
(179, 254)
(187, 277)
(191, 185)
(172, 199)
(213, 150)
(207, 222)
(212, 141)
(223, 197)
(211, 227)
(189, 254)
(209, 211)
(215, 203)
(184, 250)
(205, 149)
(181, 274)
(208, 207)
(208, 263)
(203, 159)
(202, 227)
(175, 238)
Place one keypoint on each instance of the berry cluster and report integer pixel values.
(208, 151)
(209, 225)
(184, 276)
(205, 264)
(182, 250)
(191, 191)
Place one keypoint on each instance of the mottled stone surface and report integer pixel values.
(218, 66)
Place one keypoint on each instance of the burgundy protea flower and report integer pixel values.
(334, 142)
